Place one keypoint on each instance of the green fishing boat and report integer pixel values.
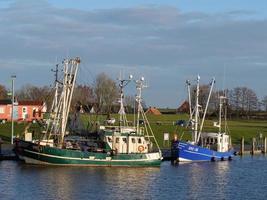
(123, 145)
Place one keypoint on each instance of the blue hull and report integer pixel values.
(187, 152)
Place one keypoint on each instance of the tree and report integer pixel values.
(83, 95)
(106, 93)
(264, 103)
(203, 97)
(3, 92)
(243, 100)
(35, 93)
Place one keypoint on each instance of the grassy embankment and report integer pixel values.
(19, 128)
(164, 124)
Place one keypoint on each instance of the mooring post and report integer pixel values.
(1, 146)
(264, 146)
(242, 146)
(253, 146)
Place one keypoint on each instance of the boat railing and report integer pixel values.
(124, 129)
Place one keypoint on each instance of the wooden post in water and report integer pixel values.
(242, 146)
(1, 146)
(264, 150)
(253, 146)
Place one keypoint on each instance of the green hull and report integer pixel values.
(44, 155)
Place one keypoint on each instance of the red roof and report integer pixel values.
(31, 103)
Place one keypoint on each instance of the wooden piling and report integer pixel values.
(242, 146)
(264, 150)
(253, 146)
(1, 146)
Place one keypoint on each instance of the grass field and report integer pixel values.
(164, 124)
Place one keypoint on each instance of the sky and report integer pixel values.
(166, 41)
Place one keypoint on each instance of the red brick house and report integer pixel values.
(23, 110)
(184, 107)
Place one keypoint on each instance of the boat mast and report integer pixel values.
(147, 128)
(190, 103)
(196, 112)
(206, 109)
(70, 69)
(59, 117)
(139, 87)
(220, 113)
(189, 98)
(122, 84)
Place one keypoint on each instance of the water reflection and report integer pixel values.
(77, 183)
(217, 180)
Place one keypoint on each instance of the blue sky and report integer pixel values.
(165, 41)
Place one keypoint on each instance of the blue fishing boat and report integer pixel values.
(205, 146)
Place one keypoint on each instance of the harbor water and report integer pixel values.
(243, 178)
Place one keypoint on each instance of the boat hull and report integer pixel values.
(35, 154)
(186, 152)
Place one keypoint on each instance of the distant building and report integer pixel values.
(153, 111)
(23, 110)
(184, 107)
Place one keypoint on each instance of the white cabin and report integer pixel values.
(216, 141)
(126, 140)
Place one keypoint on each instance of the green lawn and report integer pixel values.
(164, 124)
(19, 128)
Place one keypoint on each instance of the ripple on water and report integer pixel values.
(211, 180)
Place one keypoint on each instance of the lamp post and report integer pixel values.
(13, 77)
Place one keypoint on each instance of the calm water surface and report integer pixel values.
(242, 178)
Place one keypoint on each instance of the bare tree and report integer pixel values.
(203, 97)
(83, 95)
(243, 100)
(35, 93)
(3, 92)
(106, 93)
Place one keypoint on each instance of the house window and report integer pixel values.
(2, 110)
(117, 140)
(34, 112)
(139, 140)
(24, 110)
(133, 140)
(124, 140)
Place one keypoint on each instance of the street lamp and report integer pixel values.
(13, 77)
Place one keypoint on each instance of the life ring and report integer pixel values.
(141, 148)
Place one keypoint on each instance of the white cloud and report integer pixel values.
(154, 38)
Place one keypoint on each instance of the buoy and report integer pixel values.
(141, 148)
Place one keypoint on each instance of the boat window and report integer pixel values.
(124, 140)
(139, 140)
(133, 140)
(117, 140)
